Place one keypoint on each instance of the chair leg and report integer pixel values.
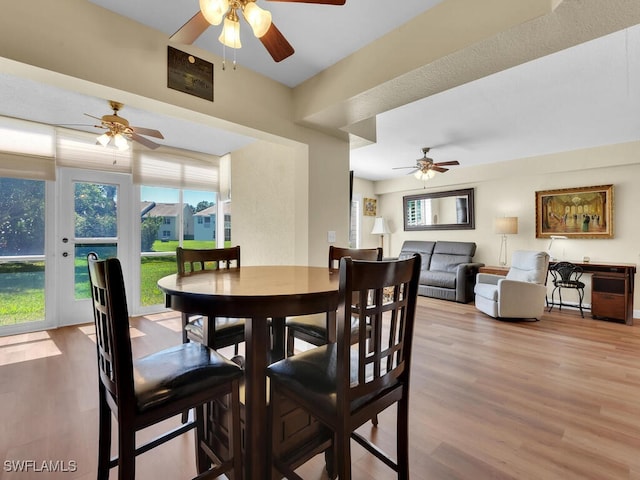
(185, 319)
(553, 300)
(402, 432)
(581, 297)
(185, 339)
(126, 452)
(342, 443)
(272, 433)
(330, 462)
(236, 431)
(560, 297)
(104, 437)
(290, 343)
(203, 463)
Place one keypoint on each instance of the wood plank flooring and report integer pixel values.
(555, 399)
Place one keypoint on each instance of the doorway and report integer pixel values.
(94, 214)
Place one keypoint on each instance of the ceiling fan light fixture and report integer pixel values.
(121, 142)
(214, 10)
(104, 139)
(258, 18)
(424, 175)
(230, 36)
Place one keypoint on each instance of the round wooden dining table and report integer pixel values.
(257, 293)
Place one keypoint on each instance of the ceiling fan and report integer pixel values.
(425, 168)
(119, 130)
(213, 12)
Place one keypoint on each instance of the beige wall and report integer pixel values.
(509, 189)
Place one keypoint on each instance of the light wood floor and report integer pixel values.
(555, 399)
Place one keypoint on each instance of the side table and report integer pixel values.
(494, 270)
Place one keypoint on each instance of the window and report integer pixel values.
(22, 255)
(172, 217)
(356, 216)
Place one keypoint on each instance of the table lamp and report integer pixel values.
(380, 228)
(505, 226)
(554, 237)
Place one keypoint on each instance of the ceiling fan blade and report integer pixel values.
(323, 2)
(147, 131)
(452, 162)
(91, 116)
(400, 168)
(144, 141)
(439, 169)
(275, 43)
(190, 31)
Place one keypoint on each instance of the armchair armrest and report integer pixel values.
(489, 278)
(465, 281)
(520, 299)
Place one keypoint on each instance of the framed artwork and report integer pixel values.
(585, 212)
(369, 207)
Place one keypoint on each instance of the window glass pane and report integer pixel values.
(166, 224)
(227, 223)
(81, 271)
(96, 212)
(22, 222)
(201, 230)
(159, 239)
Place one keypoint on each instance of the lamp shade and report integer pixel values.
(214, 10)
(230, 35)
(380, 227)
(259, 19)
(506, 225)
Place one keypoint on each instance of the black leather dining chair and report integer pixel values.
(151, 389)
(222, 331)
(314, 329)
(344, 385)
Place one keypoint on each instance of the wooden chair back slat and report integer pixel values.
(192, 260)
(384, 297)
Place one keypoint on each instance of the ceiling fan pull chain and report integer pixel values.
(224, 57)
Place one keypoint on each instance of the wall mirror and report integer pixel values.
(450, 210)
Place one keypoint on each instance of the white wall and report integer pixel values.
(509, 189)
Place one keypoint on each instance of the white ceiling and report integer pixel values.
(582, 97)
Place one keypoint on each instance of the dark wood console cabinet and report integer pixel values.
(611, 290)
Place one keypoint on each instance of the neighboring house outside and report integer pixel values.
(205, 224)
(170, 213)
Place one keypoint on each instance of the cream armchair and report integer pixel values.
(521, 294)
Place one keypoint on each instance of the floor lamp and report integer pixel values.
(505, 226)
(380, 228)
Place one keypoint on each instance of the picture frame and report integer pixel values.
(582, 212)
(370, 205)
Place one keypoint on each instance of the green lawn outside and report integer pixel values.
(22, 283)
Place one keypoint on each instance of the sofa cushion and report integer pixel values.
(467, 249)
(447, 263)
(438, 278)
(424, 249)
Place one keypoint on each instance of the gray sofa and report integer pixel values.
(448, 271)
